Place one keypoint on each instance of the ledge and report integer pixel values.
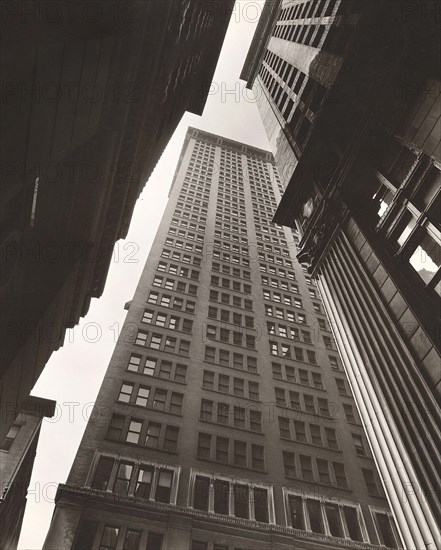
(77, 495)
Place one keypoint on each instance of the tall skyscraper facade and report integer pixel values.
(351, 107)
(88, 115)
(225, 420)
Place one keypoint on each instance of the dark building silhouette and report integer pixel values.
(351, 104)
(17, 454)
(225, 420)
(91, 94)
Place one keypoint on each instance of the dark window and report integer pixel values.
(154, 541)
(116, 427)
(102, 473)
(315, 516)
(352, 522)
(334, 520)
(163, 489)
(85, 536)
(241, 501)
(201, 493)
(386, 530)
(132, 540)
(144, 482)
(221, 496)
(296, 512)
(122, 480)
(261, 504)
(109, 538)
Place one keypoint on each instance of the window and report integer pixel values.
(315, 516)
(241, 501)
(115, 428)
(240, 453)
(386, 530)
(125, 393)
(165, 370)
(224, 358)
(309, 403)
(132, 540)
(331, 438)
(277, 371)
(300, 431)
(144, 481)
(109, 538)
(303, 377)
(171, 438)
(306, 468)
(204, 445)
(323, 407)
(349, 412)
(341, 386)
(223, 411)
(289, 464)
(180, 373)
(257, 457)
(207, 410)
(239, 417)
(184, 348)
(334, 520)
(358, 444)
(253, 390)
(155, 342)
(201, 493)
(210, 354)
(352, 522)
(134, 362)
(142, 396)
(149, 367)
(147, 316)
(221, 496)
(317, 380)
(153, 298)
(159, 399)
(340, 475)
(141, 338)
(208, 380)
(284, 428)
(102, 473)
(169, 344)
(255, 421)
(176, 403)
(222, 449)
(316, 434)
(223, 383)
(152, 436)
(122, 481)
(134, 431)
(238, 387)
(323, 471)
(371, 483)
(261, 504)
(163, 489)
(295, 506)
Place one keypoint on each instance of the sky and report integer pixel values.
(74, 374)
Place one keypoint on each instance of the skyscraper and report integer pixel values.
(99, 92)
(17, 455)
(225, 420)
(351, 107)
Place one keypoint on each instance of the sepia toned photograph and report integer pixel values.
(220, 290)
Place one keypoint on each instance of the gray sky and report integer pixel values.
(75, 372)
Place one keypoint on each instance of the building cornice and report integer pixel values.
(71, 496)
